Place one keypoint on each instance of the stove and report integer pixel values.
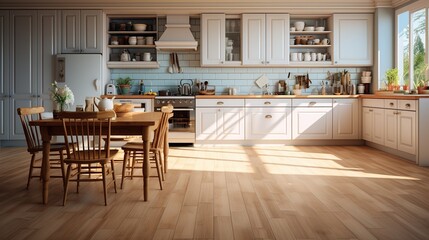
(182, 124)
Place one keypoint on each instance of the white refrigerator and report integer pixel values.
(82, 73)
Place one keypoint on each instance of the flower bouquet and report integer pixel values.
(62, 96)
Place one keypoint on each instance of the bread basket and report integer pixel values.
(123, 108)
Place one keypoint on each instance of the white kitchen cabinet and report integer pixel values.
(4, 75)
(268, 119)
(220, 119)
(312, 119)
(81, 31)
(265, 39)
(407, 131)
(345, 119)
(353, 39)
(390, 128)
(212, 39)
(367, 123)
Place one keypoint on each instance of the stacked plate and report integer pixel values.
(366, 77)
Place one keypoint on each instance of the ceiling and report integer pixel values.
(198, 6)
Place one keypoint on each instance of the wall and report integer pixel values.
(240, 78)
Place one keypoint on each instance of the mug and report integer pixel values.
(324, 57)
(361, 89)
(294, 57)
(292, 29)
(326, 41)
(316, 41)
(313, 56)
(319, 57)
(300, 57)
(291, 41)
(307, 57)
(149, 40)
(147, 57)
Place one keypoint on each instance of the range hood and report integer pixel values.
(177, 35)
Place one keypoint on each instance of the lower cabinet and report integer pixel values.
(400, 128)
(345, 117)
(219, 120)
(268, 123)
(373, 125)
(312, 123)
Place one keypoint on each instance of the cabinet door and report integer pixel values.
(70, 31)
(4, 75)
(345, 119)
(268, 123)
(277, 42)
(212, 39)
(230, 124)
(23, 65)
(312, 123)
(378, 126)
(206, 123)
(390, 128)
(91, 31)
(407, 131)
(47, 49)
(367, 123)
(253, 39)
(353, 37)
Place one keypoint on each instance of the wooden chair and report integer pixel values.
(34, 143)
(84, 131)
(135, 149)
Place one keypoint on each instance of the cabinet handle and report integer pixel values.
(222, 62)
(399, 113)
(267, 103)
(407, 105)
(219, 103)
(312, 103)
(262, 62)
(391, 104)
(268, 62)
(371, 110)
(268, 116)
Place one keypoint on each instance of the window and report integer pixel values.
(412, 43)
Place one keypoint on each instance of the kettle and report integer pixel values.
(105, 104)
(185, 88)
(125, 56)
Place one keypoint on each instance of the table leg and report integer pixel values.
(46, 138)
(146, 148)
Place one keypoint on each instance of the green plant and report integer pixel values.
(392, 76)
(420, 79)
(123, 81)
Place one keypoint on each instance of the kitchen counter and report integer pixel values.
(396, 96)
(130, 96)
(272, 96)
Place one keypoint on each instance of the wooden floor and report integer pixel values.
(276, 192)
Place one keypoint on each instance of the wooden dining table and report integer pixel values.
(128, 124)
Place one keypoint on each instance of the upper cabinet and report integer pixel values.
(220, 40)
(353, 39)
(131, 41)
(81, 31)
(265, 39)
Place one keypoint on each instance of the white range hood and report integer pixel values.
(177, 35)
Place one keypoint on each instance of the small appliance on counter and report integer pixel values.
(110, 89)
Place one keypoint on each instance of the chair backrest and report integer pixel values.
(32, 133)
(158, 138)
(83, 132)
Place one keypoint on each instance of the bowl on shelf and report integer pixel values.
(320, 29)
(299, 25)
(139, 27)
(309, 28)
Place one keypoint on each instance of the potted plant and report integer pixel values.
(392, 79)
(420, 79)
(124, 85)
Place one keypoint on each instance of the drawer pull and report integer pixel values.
(268, 116)
(267, 103)
(407, 105)
(312, 103)
(371, 110)
(219, 103)
(391, 104)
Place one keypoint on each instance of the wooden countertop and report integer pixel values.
(272, 96)
(395, 96)
(130, 96)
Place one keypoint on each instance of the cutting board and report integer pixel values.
(262, 81)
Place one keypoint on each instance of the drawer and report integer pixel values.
(378, 103)
(407, 105)
(391, 103)
(220, 102)
(268, 102)
(312, 102)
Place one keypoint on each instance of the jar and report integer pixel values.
(132, 40)
(140, 40)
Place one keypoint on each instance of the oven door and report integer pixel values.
(183, 120)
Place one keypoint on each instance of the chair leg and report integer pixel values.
(66, 185)
(133, 162)
(113, 174)
(79, 169)
(62, 167)
(124, 166)
(103, 171)
(158, 169)
(30, 172)
(162, 165)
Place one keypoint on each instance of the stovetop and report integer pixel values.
(176, 101)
